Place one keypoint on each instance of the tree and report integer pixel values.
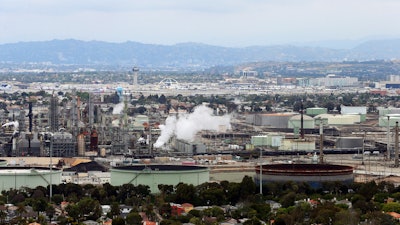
(368, 190)
(21, 209)
(195, 221)
(347, 217)
(214, 212)
(324, 213)
(133, 218)
(263, 210)
(84, 96)
(247, 187)
(57, 198)
(71, 189)
(118, 221)
(89, 208)
(391, 207)
(339, 108)
(3, 215)
(114, 210)
(297, 106)
(170, 222)
(140, 110)
(329, 105)
(50, 211)
(211, 194)
(39, 205)
(379, 218)
(185, 193)
(73, 212)
(162, 99)
(252, 221)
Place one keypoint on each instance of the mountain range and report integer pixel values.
(184, 55)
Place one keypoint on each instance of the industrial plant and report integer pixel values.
(129, 137)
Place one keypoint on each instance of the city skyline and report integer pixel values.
(225, 23)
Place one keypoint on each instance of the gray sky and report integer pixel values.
(219, 22)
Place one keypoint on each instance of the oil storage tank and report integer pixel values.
(295, 122)
(19, 177)
(3, 162)
(154, 174)
(313, 174)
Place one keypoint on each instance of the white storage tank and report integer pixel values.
(31, 177)
(295, 122)
(390, 119)
(3, 162)
(154, 174)
(384, 111)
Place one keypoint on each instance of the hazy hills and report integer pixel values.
(185, 55)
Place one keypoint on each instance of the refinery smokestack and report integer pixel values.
(135, 75)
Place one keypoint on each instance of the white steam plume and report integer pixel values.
(118, 108)
(186, 126)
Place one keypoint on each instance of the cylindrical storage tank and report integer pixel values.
(349, 142)
(152, 175)
(295, 121)
(385, 111)
(340, 120)
(81, 145)
(103, 152)
(18, 177)
(390, 119)
(313, 174)
(336, 119)
(3, 162)
(94, 141)
(355, 117)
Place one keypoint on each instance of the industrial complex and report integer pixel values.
(193, 143)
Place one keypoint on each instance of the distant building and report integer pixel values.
(190, 147)
(273, 120)
(248, 73)
(354, 110)
(394, 78)
(334, 81)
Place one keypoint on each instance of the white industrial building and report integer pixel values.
(273, 120)
(333, 80)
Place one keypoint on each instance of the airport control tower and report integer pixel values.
(135, 75)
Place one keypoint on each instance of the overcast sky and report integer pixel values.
(235, 23)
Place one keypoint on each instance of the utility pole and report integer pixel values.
(396, 142)
(388, 139)
(321, 140)
(261, 172)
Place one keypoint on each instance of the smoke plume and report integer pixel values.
(186, 126)
(118, 108)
